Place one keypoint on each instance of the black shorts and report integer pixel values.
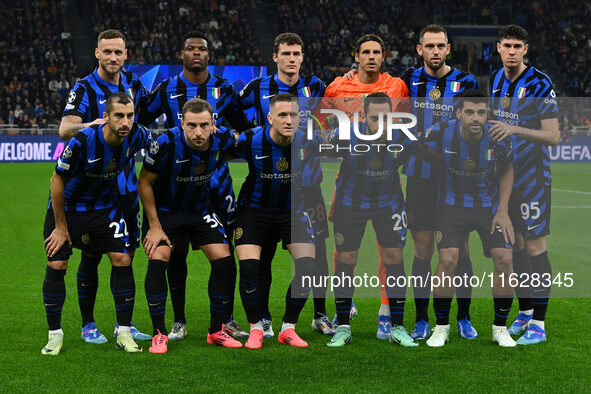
(389, 223)
(453, 223)
(130, 206)
(314, 203)
(195, 227)
(421, 202)
(99, 231)
(256, 227)
(529, 210)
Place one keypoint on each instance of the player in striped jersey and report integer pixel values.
(525, 106)
(369, 54)
(195, 81)
(85, 214)
(265, 207)
(368, 188)
(476, 183)
(85, 107)
(174, 189)
(288, 54)
(433, 91)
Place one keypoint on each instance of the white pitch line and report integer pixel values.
(571, 191)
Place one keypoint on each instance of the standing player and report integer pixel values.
(174, 189)
(84, 108)
(288, 54)
(525, 93)
(369, 54)
(476, 183)
(83, 212)
(433, 87)
(265, 209)
(169, 97)
(368, 188)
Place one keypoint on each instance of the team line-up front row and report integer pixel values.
(472, 167)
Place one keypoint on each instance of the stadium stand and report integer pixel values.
(37, 63)
(154, 29)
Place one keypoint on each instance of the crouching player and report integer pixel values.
(174, 190)
(368, 188)
(84, 211)
(476, 184)
(266, 211)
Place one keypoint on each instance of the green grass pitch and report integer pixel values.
(368, 364)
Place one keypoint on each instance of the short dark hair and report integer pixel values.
(432, 29)
(288, 39)
(109, 34)
(369, 37)
(513, 31)
(193, 34)
(473, 96)
(376, 98)
(116, 98)
(197, 106)
(283, 98)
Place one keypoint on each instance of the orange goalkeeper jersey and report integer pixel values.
(340, 87)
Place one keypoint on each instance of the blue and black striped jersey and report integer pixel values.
(470, 176)
(169, 98)
(370, 180)
(87, 100)
(526, 102)
(184, 174)
(92, 166)
(270, 172)
(172, 93)
(258, 93)
(433, 100)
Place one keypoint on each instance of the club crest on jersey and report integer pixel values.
(282, 164)
(306, 91)
(521, 92)
(505, 102)
(216, 93)
(375, 164)
(455, 87)
(111, 166)
(154, 147)
(200, 168)
(71, 96)
(469, 164)
(434, 94)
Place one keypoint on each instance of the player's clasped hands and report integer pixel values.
(503, 223)
(56, 240)
(501, 130)
(153, 239)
